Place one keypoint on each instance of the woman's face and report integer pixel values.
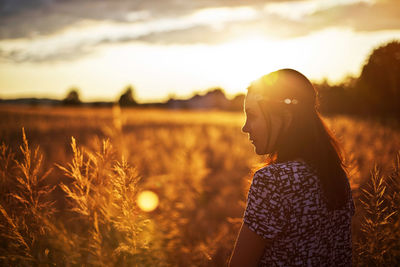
(256, 125)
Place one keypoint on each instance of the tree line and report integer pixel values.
(375, 92)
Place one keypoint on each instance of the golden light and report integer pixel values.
(147, 200)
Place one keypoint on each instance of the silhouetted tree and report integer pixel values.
(336, 99)
(72, 98)
(217, 98)
(127, 98)
(379, 82)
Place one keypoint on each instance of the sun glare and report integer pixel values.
(147, 201)
(246, 59)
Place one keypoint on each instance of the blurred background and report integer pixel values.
(120, 123)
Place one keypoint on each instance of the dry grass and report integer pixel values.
(74, 202)
(379, 241)
(24, 205)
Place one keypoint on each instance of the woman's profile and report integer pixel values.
(299, 206)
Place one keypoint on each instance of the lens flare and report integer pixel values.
(147, 201)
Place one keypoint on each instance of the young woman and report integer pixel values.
(299, 206)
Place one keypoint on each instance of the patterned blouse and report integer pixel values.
(285, 205)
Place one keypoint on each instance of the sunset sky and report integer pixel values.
(177, 47)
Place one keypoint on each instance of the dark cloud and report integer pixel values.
(12, 7)
(32, 18)
(27, 18)
(48, 17)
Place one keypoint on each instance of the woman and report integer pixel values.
(299, 206)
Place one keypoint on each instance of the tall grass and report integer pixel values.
(102, 225)
(379, 241)
(25, 204)
(106, 226)
(76, 205)
(102, 195)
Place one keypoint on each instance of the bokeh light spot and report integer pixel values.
(147, 200)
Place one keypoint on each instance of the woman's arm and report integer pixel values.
(248, 249)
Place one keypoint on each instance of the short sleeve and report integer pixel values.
(266, 211)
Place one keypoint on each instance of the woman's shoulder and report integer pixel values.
(287, 178)
(286, 174)
(285, 168)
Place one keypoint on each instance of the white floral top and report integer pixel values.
(285, 205)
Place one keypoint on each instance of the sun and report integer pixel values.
(244, 60)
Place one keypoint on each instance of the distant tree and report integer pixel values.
(127, 98)
(215, 98)
(72, 98)
(334, 99)
(217, 92)
(379, 82)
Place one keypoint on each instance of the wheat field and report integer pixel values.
(71, 180)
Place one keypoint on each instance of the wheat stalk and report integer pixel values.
(27, 204)
(376, 246)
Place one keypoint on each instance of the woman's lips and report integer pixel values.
(251, 140)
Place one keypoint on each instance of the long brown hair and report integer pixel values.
(307, 137)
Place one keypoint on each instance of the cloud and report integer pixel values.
(200, 26)
(382, 15)
(35, 18)
(23, 55)
(27, 18)
(54, 30)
